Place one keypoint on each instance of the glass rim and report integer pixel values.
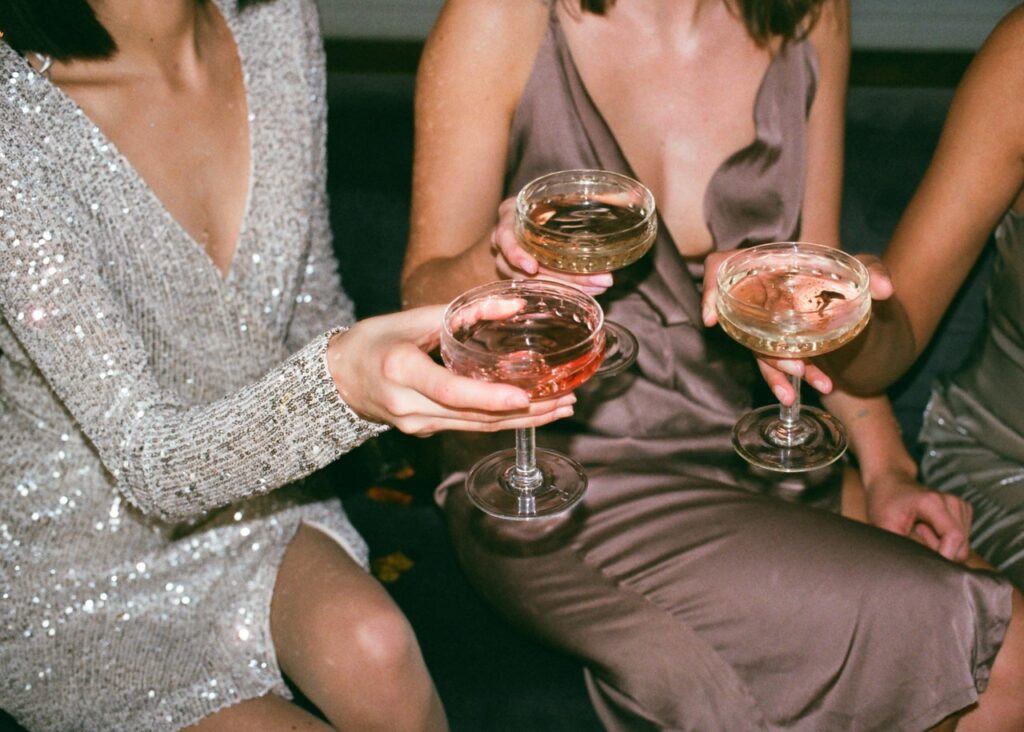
(862, 282)
(498, 287)
(582, 173)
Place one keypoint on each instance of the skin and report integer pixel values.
(172, 100)
(704, 70)
(472, 74)
(975, 176)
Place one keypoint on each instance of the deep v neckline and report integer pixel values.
(194, 247)
(706, 203)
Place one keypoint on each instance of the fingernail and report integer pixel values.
(567, 400)
(601, 280)
(793, 368)
(707, 313)
(563, 412)
(821, 384)
(780, 393)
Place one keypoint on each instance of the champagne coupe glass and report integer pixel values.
(586, 221)
(547, 338)
(792, 300)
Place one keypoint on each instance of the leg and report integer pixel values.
(693, 604)
(341, 639)
(266, 714)
(1001, 706)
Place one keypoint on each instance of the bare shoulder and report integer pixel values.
(830, 33)
(991, 94)
(496, 40)
(1001, 58)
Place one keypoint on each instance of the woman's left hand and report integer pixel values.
(941, 521)
(776, 372)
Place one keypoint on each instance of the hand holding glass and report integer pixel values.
(792, 300)
(587, 221)
(547, 338)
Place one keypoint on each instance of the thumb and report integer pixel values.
(421, 325)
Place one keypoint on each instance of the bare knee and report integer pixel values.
(383, 640)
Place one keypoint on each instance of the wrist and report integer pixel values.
(898, 470)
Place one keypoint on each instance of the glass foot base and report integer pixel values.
(561, 488)
(816, 440)
(620, 349)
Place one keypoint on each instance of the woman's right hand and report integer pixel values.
(776, 371)
(382, 370)
(514, 262)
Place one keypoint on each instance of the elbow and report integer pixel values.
(169, 504)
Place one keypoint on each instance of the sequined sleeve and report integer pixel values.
(321, 302)
(170, 460)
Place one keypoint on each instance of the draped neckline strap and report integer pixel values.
(754, 195)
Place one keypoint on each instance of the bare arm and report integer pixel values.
(474, 68)
(974, 177)
(895, 500)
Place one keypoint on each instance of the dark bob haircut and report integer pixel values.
(63, 29)
(765, 19)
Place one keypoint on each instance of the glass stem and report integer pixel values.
(790, 415)
(526, 476)
(789, 431)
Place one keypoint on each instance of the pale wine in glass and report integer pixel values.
(587, 221)
(792, 300)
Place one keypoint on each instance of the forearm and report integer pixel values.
(875, 436)
(442, 279)
(878, 356)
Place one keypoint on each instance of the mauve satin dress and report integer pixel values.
(696, 599)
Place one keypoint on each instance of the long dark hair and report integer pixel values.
(63, 29)
(765, 19)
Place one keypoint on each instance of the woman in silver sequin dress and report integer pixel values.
(172, 350)
(973, 431)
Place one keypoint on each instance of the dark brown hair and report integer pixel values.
(63, 29)
(765, 19)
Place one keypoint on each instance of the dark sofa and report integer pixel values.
(491, 677)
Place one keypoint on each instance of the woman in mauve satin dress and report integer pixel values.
(696, 597)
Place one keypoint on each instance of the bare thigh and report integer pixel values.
(268, 713)
(343, 641)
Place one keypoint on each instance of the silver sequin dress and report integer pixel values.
(149, 406)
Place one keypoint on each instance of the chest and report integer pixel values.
(677, 114)
(190, 146)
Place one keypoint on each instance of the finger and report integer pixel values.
(709, 313)
(508, 246)
(442, 387)
(925, 534)
(425, 428)
(421, 325)
(410, 409)
(592, 284)
(880, 282)
(935, 514)
(817, 378)
(491, 308)
(778, 382)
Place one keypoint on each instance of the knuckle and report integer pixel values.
(391, 365)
